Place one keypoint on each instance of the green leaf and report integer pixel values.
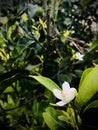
(2, 40)
(88, 87)
(65, 117)
(84, 2)
(10, 100)
(93, 104)
(78, 72)
(84, 75)
(94, 45)
(46, 82)
(8, 90)
(50, 118)
(49, 95)
(8, 78)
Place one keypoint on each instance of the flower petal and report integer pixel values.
(74, 91)
(57, 93)
(79, 56)
(70, 95)
(61, 103)
(65, 86)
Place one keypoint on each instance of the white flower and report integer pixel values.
(79, 56)
(66, 95)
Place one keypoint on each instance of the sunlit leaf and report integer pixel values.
(2, 40)
(3, 20)
(24, 17)
(8, 89)
(85, 73)
(44, 25)
(46, 82)
(10, 100)
(88, 87)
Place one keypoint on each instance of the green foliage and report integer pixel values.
(38, 45)
(50, 117)
(88, 87)
(48, 83)
(93, 104)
